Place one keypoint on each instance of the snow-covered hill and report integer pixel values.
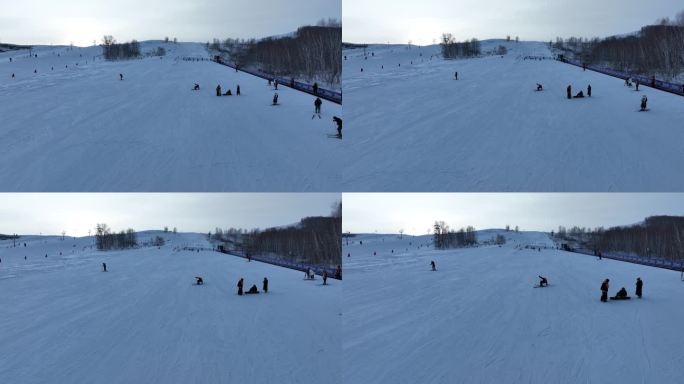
(62, 320)
(82, 129)
(412, 127)
(477, 319)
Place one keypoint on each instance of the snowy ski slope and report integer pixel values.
(477, 319)
(82, 129)
(414, 128)
(62, 320)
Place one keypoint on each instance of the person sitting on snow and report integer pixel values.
(199, 279)
(228, 93)
(196, 87)
(539, 87)
(621, 295)
(252, 290)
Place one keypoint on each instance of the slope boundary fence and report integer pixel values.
(677, 89)
(302, 267)
(675, 265)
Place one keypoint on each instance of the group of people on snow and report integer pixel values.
(218, 90)
(253, 290)
(579, 95)
(622, 293)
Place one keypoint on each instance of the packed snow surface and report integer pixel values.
(63, 320)
(478, 319)
(82, 129)
(413, 127)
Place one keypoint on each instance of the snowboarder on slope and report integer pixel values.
(199, 279)
(569, 91)
(539, 87)
(543, 282)
(604, 290)
(218, 90)
(275, 99)
(317, 104)
(265, 285)
(644, 100)
(104, 267)
(434, 267)
(639, 286)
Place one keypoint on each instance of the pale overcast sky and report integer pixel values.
(46, 213)
(82, 21)
(380, 21)
(415, 213)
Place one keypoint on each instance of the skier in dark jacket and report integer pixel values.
(434, 267)
(120, 76)
(589, 90)
(238, 91)
(644, 101)
(104, 267)
(218, 90)
(325, 277)
(196, 87)
(637, 85)
(275, 99)
(199, 280)
(265, 285)
(569, 91)
(604, 290)
(240, 283)
(338, 272)
(455, 75)
(317, 104)
(338, 121)
(639, 286)
(539, 87)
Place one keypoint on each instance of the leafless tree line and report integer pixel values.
(311, 52)
(111, 50)
(315, 240)
(452, 49)
(656, 49)
(106, 239)
(445, 238)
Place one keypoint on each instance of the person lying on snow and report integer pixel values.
(229, 93)
(252, 290)
(579, 95)
(621, 295)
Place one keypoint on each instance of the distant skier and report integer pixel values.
(275, 99)
(455, 75)
(589, 90)
(569, 91)
(338, 121)
(338, 273)
(653, 81)
(199, 280)
(644, 101)
(434, 267)
(13, 75)
(218, 90)
(275, 84)
(240, 284)
(637, 85)
(539, 87)
(600, 256)
(238, 90)
(604, 290)
(120, 76)
(196, 87)
(104, 267)
(253, 290)
(639, 287)
(315, 89)
(325, 277)
(317, 105)
(543, 282)
(265, 285)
